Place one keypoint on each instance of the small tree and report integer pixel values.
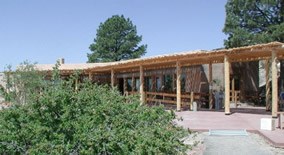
(22, 83)
(116, 40)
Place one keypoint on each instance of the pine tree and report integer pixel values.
(250, 22)
(116, 40)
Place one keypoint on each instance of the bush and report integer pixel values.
(92, 120)
(22, 83)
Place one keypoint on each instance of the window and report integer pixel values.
(148, 84)
(129, 84)
(137, 84)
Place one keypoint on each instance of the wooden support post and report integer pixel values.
(154, 83)
(90, 76)
(112, 78)
(132, 83)
(274, 81)
(178, 70)
(191, 100)
(76, 84)
(142, 93)
(267, 86)
(162, 82)
(125, 86)
(173, 82)
(233, 92)
(210, 87)
(227, 84)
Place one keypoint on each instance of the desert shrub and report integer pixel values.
(22, 83)
(91, 120)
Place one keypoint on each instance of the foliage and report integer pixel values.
(91, 120)
(250, 22)
(22, 83)
(116, 40)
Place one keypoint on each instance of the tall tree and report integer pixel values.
(251, 22)
(116, 40)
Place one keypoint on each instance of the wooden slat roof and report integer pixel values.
(247, 53)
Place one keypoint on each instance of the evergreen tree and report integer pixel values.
(250, 22)
(116, 40)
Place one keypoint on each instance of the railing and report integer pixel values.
(235, 96)
(170, 98)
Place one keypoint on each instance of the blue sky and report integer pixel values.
(44, 30)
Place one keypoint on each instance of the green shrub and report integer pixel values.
(22, 83)
(92, 120)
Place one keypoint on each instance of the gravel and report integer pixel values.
(253, 144)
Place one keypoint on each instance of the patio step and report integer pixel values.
(215, 132)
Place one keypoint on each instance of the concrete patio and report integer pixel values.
(206, 120)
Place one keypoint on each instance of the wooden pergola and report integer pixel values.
(270, 52)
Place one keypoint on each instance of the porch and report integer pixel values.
(175, 79)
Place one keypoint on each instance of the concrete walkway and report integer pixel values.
(238, 145)
(206, 120)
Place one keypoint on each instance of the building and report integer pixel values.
(181, 78)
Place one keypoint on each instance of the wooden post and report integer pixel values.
(178, 91)
(274, 81)
(142, 93)
(76, 84)
(267, 86)
(227, 84)
(125, 86)
(90, 76)
(154, 83)
(112, 78)
(210, 87)
(191, 100)
(233, 91)
(132, 83)
(173, 82)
